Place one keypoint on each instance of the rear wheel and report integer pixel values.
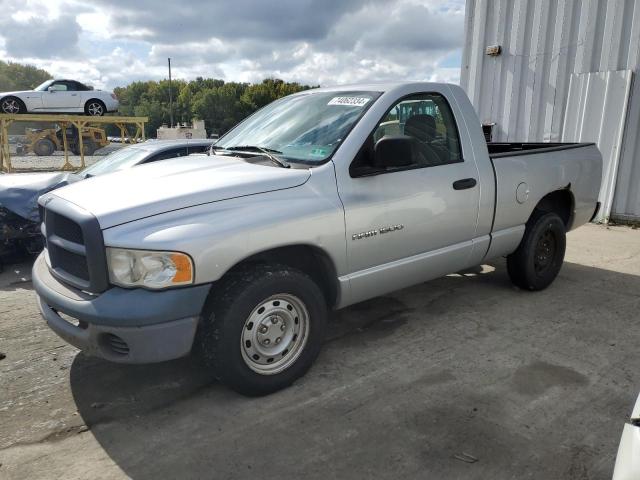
(263, 329)
(44, 147)
(539, 257)
(95, 108)
(89, 147)
(12, 105)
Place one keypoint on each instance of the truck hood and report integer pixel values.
(147, 190)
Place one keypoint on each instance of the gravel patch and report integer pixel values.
(32, 162)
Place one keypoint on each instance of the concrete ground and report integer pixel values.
(32, 162)
(461, 377)
(55, 162)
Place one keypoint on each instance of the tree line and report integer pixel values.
(220, 104)
(14, 76)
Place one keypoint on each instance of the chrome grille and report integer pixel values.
(71, 262)
(74, 245)
(68, 230)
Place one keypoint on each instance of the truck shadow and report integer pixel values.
(106, 391)
(173, 420)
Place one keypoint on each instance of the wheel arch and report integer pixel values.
(95, 99)
(24, 105)
(310, 259)
(561, 202)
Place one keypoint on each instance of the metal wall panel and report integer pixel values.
(597, 110)
(525, 90)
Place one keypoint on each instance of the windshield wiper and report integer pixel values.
(267, 152)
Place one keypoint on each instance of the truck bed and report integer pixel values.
(500, 149)
(529, 171)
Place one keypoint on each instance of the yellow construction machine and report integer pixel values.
(44, 142)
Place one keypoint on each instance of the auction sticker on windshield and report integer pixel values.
(349, 101)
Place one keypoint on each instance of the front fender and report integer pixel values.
(220, 235)
(32, 100)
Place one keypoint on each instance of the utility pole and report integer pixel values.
(170, 96)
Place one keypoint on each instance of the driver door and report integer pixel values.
(60, 95)
(409, 224)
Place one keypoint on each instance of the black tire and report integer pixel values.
(95, 108)
(44, 147)
(12, 105)
(226, 320)
(538, 259)
(89, 148)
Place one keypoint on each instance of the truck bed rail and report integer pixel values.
(499, 149)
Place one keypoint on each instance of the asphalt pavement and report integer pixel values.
(464, 377)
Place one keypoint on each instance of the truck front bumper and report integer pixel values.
(121, 325)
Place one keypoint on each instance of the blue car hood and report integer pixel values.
(19, 192)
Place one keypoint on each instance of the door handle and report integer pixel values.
(464, 183)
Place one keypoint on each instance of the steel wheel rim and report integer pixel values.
(95, 109)
(10, 106)
(545, 251)
(275, 334)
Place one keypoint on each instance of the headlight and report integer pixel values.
(148, 268)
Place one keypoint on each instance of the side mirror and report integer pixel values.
(51, 89)
(393, 151)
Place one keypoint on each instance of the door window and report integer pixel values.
(59, 86)
(429, 121)
(65, 86)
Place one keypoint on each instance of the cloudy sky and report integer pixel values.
(113, 42)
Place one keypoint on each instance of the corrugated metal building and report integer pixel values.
(564, 71)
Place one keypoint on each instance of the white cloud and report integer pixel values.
(93, 22)
(112, 42)
(43, 37)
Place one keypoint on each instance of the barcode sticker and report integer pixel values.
(349, 101)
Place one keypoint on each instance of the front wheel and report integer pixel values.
(539, 257)
(262, 329)
(44, 147)
(12, 105)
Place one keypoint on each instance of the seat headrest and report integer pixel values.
(422, 127)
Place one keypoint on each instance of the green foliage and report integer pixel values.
(220, 104)
(14, 76)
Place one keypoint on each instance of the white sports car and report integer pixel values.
(59, 96)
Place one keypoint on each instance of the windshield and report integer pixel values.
(306, 128)
(123, 158)
(43, 86)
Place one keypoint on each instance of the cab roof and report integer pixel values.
(374, 87)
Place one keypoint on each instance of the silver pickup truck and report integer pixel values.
(320, 200)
